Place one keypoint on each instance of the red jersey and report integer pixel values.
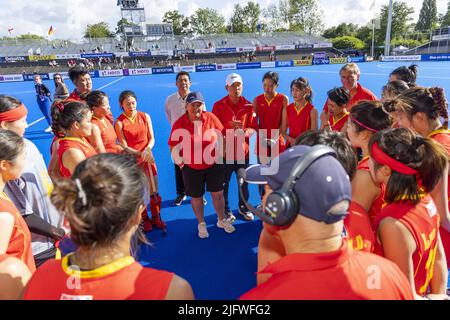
(299, 120)
(269, 116)
(19, 245)
(108, 134)
(137, 135)
(379, 202)
(197, 137)
(361, 95)
(227, 112)
(338, 124)
(124, 279)
(443, 137)
(360, 235)
(67, 143)
(338, 275)
(422, 221)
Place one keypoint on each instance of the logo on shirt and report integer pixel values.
(431, 207)
(73, 297)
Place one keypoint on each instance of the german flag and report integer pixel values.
(50, 31)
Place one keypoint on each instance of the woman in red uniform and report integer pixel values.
(106, 187)
(300, 116)
(269, 108)
(71, 120)
(104, 137)
(366, 119)
(135, 132)
(408, 226)
(15, 237)
(338, 99)
(420, 109)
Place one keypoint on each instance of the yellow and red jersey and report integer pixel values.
(124, 279)
(422, 221)
(442, 136)
(19, 245)
(298, 120)
(67, 143)
(337, 275)
(108, 134)
(360, 235)
(338, 123)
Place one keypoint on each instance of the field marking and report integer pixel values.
(107, 85)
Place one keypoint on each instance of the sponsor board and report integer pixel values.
(225, 50)
(401, 58)
(298, 63)
(110, 73)
(11, 78)
(121, 54)
(140, 54)
(96, 55)
(356, 59)
(338, 60)
(67, 56)
(161, 70)
(321, 61)
(286, 47)
(266, 48)
(246, 49)
(436, 57)
(282, 64)
(189, 69)
(139, 72)
(323, 45)
(212, 50)
(226, 66)
(248, 65)
(441, 37)
(30, 76)
(14, 59)
(162, 53)
(42, 58)
(268, 64)
(205, 68)
(304, 46)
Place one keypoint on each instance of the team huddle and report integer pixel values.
(354, 201)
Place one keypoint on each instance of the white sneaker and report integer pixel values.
(226, 225)
(48, 130)
(202, 232)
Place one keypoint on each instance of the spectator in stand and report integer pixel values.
(61, 91)
(44, 100)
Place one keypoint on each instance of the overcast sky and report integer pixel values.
(70, 17)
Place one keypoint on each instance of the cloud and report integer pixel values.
(69, 18)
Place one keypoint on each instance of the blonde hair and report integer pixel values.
(350, 67)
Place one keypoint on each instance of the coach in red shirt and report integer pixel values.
(318, 264)
(196, 142)
(350, 75)
(237, 117)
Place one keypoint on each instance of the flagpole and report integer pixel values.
(373, 31)
(387, 48)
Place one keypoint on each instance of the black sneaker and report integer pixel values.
(179, 200)
(229, 215)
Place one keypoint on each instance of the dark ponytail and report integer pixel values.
(65, 113)
(421, 154)
(370, 114)
(407, 74)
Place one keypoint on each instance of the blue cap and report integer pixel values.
(321, 186)
(195, 97)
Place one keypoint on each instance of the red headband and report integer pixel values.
(14, 114)
(363, 125)
(382, 158)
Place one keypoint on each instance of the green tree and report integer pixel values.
(30, 36)
(207, 21)
(277, 17)
(341, 30)
(401, 17)
(428, 17)
(245, 19)
(348, 42)
(121, 24)
(446, 19)
(98, 30)
(304, 15)
(179, 22)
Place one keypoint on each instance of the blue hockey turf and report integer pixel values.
(222, 266)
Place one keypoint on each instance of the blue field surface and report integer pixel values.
(222, 266)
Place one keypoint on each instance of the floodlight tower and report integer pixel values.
(387, 48)
(134, 13)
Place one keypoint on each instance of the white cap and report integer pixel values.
(232, 78)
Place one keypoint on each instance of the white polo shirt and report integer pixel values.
(176, 107)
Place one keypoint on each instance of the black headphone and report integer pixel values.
(282, 205)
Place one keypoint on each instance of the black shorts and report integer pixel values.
(195, 180)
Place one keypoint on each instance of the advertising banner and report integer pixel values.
(298, 63)
(11, 78)
(139, 72)
(226, 50)
(96, 55)
(42, 58)
(401, 58)
(162, 70)
(268, 64)
(227, 66)
(282, 64)
(248, 65)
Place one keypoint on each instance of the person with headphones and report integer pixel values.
(318, 263)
